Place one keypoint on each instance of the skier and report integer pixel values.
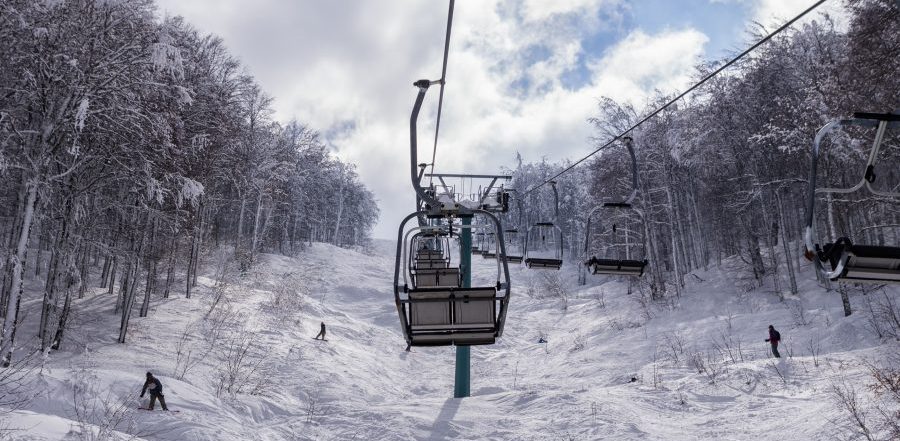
(774, 338)
(155, 387)
(321, 333)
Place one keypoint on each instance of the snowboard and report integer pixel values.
(323, 339)
(153, 410)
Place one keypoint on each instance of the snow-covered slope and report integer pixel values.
(611, 369)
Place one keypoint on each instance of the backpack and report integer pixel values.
(777, 336)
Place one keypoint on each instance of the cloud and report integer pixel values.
(347, 67)
(771, 14)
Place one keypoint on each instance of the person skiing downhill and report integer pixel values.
(774, 338)
(321, 332)
(155, 388)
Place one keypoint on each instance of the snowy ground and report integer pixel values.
(362, 385)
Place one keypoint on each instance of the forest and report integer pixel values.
(130, 147)
(725, 171)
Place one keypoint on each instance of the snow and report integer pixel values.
(81, 113)
(361, 384)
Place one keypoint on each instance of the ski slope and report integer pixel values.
(608, 370)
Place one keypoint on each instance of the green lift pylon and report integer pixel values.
(461, 386)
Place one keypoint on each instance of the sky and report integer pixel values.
(523, 75)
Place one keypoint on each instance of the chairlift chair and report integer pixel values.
(435, 310)
(543, 241)
(617, 265)
(543, 246)
(490, 250)
(444, 315)
(514, 247)
(845, 260)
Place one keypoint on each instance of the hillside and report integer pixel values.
(694, 368)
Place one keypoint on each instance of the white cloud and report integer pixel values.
(642, 63)
(774, 13)
(330, 63)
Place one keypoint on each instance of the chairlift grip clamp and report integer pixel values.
(870, 174)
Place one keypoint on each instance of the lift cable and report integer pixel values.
(437, 127)
(673, 100)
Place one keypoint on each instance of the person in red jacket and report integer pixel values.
(774, 338)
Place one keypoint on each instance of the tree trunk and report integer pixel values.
(785, 244)
(104, 275)
(84, 270)
(151, 274)
(40, 251)
(123, 288)
(112, 275)
(240, 225)
(845, 300)
(189, 276)
(128, 303)
(7, 341)
(170, 271)
(256, 217)
(72, 280)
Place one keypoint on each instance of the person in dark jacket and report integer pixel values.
(155, 388)
(774, 338)
(321, 332)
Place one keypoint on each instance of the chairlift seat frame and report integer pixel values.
(862, 263)
(842, 260)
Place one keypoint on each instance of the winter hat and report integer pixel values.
(149, 374)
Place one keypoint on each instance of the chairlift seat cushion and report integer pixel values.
(477, 309)
(429, 255)
(430, 264)
(429, 314)
(488, 255)
(514, 259)
(438, 277)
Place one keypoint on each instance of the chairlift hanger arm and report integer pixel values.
(423, 86)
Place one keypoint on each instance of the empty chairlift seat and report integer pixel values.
(617, 267)
(441, 317)
(862, 262)
(536, 262)
(544, 246)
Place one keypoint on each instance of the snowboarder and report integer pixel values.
(155, 387)
(774, 338)
(321, 333)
